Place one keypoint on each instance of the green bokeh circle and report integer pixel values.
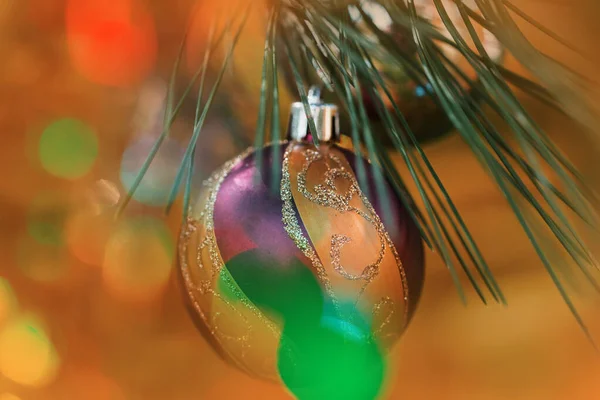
(68, 148)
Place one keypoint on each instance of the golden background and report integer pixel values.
(100, 318)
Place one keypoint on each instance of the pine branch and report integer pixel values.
(321, 43)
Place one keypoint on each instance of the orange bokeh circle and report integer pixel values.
(111, 43)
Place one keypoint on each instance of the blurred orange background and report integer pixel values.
(90, 307)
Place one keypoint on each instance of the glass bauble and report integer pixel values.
(268, 266)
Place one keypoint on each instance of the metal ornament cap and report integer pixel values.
(326, 117)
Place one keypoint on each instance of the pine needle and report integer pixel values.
(200, 121)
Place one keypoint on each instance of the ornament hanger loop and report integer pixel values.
(326, 117)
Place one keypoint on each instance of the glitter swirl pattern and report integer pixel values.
(243, 333)
(328, 195)
(200, 277)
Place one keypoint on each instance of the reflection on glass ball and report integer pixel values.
(332, 360)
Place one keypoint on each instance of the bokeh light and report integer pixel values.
(8, 301)
(41, 253)
(87, 234)
(150, 109)
(138, 259)
(68, 148)
(41, 262)
(195, 46)
(46, 217)
(156, 185)
(9, 396)
(111, 43)
(102, 197)
(27, 355)
(88, 228)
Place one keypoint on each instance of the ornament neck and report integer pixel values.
(325, 116)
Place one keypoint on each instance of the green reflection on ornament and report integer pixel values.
(227, 288)
(335, 359)
(284, 287)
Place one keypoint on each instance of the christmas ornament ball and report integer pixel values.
(283, 253)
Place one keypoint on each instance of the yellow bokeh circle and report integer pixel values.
(138, 259)
(27, 355)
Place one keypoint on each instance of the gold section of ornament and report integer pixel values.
(247, 337)
(349, 247)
